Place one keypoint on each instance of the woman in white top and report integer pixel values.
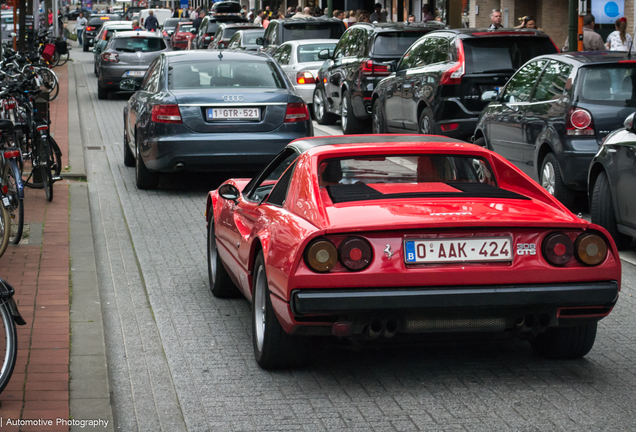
(80, 25)
(619, 40)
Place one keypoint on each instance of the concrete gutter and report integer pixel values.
(75, 150)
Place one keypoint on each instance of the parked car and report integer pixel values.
(280, 31)
(300, 61)
(103, 37)
(74, 14)
(170, 25)
(210, 25)
(246, 40)
(126, 59)
(371, 237)
(161, 14)
(438, 82)
(93, 27)
(611, 183)
(234, 111)
(181, 36)
(128, 16)
(553, 114)
(359, 62)
(225, 32)
(7, 26)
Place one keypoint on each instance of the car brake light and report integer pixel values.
(558, 249)
(305, 78)
(590, 249)
(579, 122)
(371, 68)
(355, 253)
(449, 127)
(296, 112)
(321, 255)
(166, 114)
(455, 73)
(110, 57)
(89, 28)
(165, 33)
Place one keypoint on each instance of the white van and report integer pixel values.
(161, 14)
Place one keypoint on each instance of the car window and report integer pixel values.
(520, 85)
(261, 185)
(342, 45)
(312, 30)
(414, 56)
(225, 74)
(234, 41)
(608, 85)
(394, 44)
(439, 50)
(268, 34)
(309, 53)
(274, 33)
(502, 54)
(147, 81)
(212, 27)
(552, 84)
(285, 54)
(278, 195)
(138, 44)
(249, 37)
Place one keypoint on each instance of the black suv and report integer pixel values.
(279, 31)
(210, 25)
(95, 23)
(553, 115)
(359, 62)
(438, 82)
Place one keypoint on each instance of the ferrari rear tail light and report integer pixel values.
(579, 122)
(455, 73)
(371, 68)
(110, 57)
(321, 255)
(166, 114)
(355, 253)
(558, 249)
(296, 112)
(305, 78)
(590, 249)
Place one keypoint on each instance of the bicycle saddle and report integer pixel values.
(6, 125)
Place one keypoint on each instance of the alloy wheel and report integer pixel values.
(319, 106)
(376, 119)
(425, 125)
(344, 114)
(548, 178)
(260, 292)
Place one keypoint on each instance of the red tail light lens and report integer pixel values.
(590, 249)
(296, 112)
(558, 249)
(305, 78)
(12, 154)
(371, 68)
(355, 253)
(449, 127)
(455, 73)
(166, 114)
(89, 28)
(9, 105)
(165, 33)
(321, 255)
(579, 122)
(110, 57)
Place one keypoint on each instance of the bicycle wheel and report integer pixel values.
(46, 162)
(49, 83)
(56, 168)
(5, 228)
(16, 207)
(8, 345)
(64, 58)
(30, 164)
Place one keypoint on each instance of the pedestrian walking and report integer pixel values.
(80, 25)
(259, 17)
(620, 40)
(592, 41)
(197, 22)
(495, 19)
(152, 24)
(338, 14)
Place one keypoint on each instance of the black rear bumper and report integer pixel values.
(553, 296)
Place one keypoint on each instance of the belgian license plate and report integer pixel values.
(234, 113)
(136, 73)
(458, 250)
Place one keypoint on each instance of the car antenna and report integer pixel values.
(220, 55)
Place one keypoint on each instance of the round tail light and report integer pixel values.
(590, 249)
(581, 119)
(558, 249)
(355, 253)
(321, 255)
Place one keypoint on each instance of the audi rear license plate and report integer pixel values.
(234, 113)
(458, 250)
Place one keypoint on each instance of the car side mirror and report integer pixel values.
(324, 54)
(489, 96)
(629, 122)
(129, 85)
(393, 64)
(260, 41)
(229, 192)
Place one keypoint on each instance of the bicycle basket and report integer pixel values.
(60, 46)
(47, 53)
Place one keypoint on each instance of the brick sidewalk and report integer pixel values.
(39, 273)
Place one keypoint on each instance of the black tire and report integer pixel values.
(144, 179)
(321, 115)
(426, 124)
(102, 93)
(551, 179)
(349, 122)
(378, 123)
(602, 211)
(14, 184)
(46, 162)
(221, 284)
(5, 228)
(276, 348)
(85, 47)
(129, 157)
(95, 70)
(10, 353)
(565, 342)
(64, 59)
(56, 167)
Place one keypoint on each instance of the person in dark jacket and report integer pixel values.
(151, 24)
(197, 21)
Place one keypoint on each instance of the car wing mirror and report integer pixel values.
(229, 192)
(260, 41)
(489, 96)
(629, 122)
(393, 65)
(324, 54)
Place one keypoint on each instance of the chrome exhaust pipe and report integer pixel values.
(390, 328)
(375, 328)
(179, 166)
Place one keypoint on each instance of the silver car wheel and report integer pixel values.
(548, 178)
(344, 114)
(425, 125)
(319, 106)
(260, 293)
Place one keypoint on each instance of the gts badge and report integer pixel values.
(526, 249)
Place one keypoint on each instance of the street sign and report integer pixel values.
(184, 4)
(143, 3)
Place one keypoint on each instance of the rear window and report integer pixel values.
(249, 38)
(309, 53)
(491, 54)
(213, 26)
(97, 21)
(170, 23)
(109, 33)
(300, 31)
(394, 44)
(142, 44)
(185, 28)
(229, 32)
(224, 74)
(608, 85)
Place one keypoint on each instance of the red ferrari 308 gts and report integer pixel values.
(373, 237)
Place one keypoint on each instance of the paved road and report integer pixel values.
(180, 359)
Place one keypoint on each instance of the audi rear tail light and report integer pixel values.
(305, 78)
(355, 253)
(166, 114)
(455, 73)
(371, 68)
(110, 57)
(296, 112)
(579, 122)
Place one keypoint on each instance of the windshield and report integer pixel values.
(395, 44)
(503, 54)
(609, 85)
(185, 28)
(142, 44)
(309, 53)
(300, 31)
(228, 73)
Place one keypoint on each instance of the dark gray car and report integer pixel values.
(211, 110)
(127, 57)
(246, 40)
